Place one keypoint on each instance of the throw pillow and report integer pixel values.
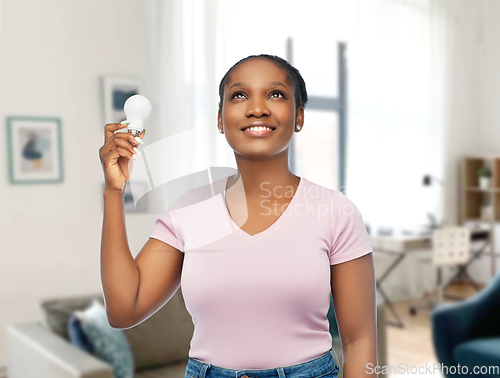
(108, 343)
(77, 335)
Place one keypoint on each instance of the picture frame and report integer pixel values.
(116, 89)
(34, 150)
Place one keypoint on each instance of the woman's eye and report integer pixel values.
(237, 94)
(272, 94)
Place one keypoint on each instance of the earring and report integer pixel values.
(220, 131)
(298, 128)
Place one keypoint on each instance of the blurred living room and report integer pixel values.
(402, 117)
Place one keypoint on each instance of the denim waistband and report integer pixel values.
(316, 367)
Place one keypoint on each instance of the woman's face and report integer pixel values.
(258, 90)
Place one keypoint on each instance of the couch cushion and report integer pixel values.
(481, 353)
(108, 344)
(163, 338)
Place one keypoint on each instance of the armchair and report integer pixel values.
(468, 332)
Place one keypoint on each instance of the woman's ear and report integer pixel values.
(219, 122)
(299, 119)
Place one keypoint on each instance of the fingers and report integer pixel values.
(126, 142)
(124, 135)
(112, 156)
(110, 129)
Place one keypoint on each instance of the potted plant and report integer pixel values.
(484, 175)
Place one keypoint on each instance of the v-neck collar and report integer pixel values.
(271, 228)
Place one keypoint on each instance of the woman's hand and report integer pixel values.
(116, 155)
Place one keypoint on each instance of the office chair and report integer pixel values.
(450, 246)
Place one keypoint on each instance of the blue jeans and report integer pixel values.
(324, 366)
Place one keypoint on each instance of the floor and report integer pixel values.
(412, 346)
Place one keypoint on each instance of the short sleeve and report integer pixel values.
(350, 238)
(167, 227)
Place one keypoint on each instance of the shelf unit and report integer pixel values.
(481, 205)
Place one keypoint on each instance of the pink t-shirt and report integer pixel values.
(260, 302)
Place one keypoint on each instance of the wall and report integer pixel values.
(474, 84)
(488, 132)
(474, 123)
(489, 76)
(52, 56)
(464, 105)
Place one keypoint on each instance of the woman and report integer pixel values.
(259, 308)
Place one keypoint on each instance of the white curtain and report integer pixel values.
(399, 52)
(186, 44)
(398, 57)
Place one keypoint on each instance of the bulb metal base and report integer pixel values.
(134, 131)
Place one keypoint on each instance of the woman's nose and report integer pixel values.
(257, 108)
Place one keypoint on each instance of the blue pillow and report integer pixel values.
(77, 335)
(108, 344)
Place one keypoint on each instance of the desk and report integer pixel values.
(400, 245)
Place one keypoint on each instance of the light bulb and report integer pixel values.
(137, 108)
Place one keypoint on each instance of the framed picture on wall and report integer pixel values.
(116, 90)
(34, 150)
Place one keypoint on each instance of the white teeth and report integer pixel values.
(259, 128)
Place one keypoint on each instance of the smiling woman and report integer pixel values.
(273, 239)
(258, 261)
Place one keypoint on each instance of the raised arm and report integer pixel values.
(133, 289)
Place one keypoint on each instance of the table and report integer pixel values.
(400, 245)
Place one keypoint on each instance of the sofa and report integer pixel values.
(160, 345)
(468, 333)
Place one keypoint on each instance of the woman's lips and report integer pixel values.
(260, 133)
